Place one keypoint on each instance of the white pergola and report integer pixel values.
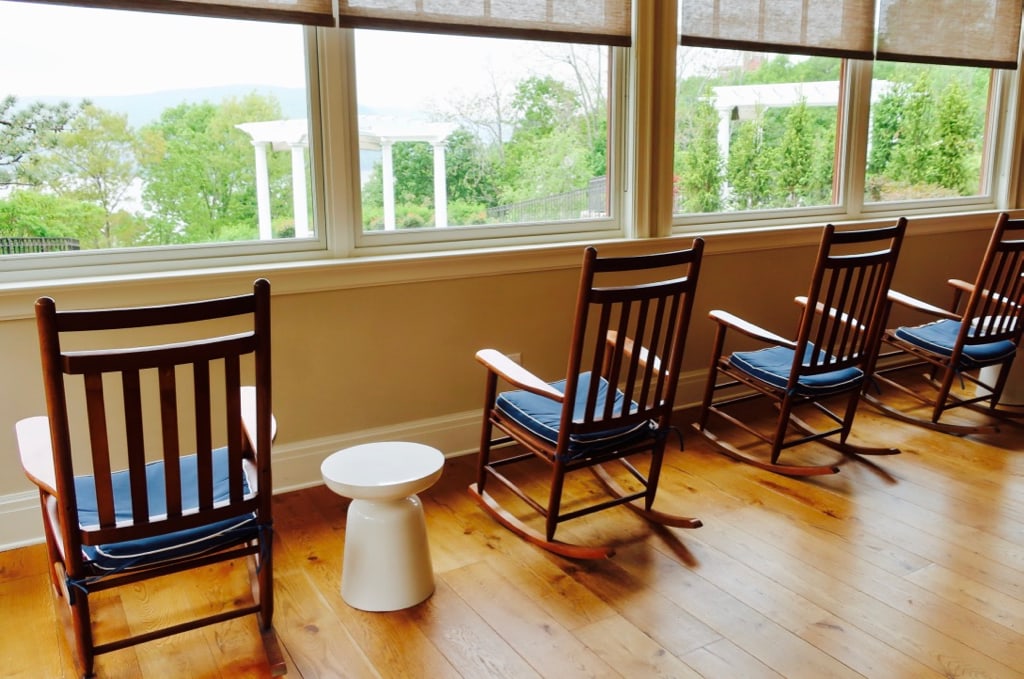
(375, 134)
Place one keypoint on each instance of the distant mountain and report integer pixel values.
(142, 109)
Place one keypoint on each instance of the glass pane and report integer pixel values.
(927, 132)
(754, 131)
(490, 131)
(134, 129)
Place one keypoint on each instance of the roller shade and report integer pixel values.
(839, 28)
(960, 32)
(308, 12)
(605, 22)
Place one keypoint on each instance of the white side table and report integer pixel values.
(387, 564)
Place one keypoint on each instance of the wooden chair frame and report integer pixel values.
(839, 330)
(632, 334)
(149, 377)
(995, 299)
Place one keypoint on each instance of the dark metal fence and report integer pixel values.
(19, 246)
(591, 201)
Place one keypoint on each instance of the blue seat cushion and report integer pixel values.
(169, 547)
(542, 417)
(939, 337)
(773, 366)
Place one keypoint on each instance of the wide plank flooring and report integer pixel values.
(912, 566)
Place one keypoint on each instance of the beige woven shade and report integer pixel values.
(308, 12)
(961, 32)
(840, 28)
(606, 22)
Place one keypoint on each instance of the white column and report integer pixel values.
(388, 170)
(262, 190)
(299, 192)
(440, 187)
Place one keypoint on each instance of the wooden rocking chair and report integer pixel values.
(981, 329)
(833, 352)
(123, 498)
(615, 402)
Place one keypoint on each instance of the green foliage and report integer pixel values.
(923, 140)
(94, 161)
(955, 139)
(199, 170)
(29, 213)
(796, 156)
(700, 163)
(26, 134)
(925, 134)
(748, 170)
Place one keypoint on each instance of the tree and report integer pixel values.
(94, 161)
(199, 171)
(747, 170)
(886, 115)
(700, 167)
(795, 157)
(28, 213)
(912, 155)
(547, 154)
(26, 134)
(954, 139)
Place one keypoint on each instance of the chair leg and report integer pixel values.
(263, 590)
(486, 432)
(81, 631)
(554, 499)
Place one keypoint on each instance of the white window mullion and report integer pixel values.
(856, 134)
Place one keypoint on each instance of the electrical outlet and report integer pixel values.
(516, 357)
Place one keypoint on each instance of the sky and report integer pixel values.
(44, 54)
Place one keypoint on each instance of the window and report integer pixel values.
(928, 133)
(136, 130)
(837, 111)
(157, 141)
(485, 132)
(210, 140)
(755, 131)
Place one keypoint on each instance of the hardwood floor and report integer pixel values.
(913, 568)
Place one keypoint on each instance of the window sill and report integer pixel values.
(17, 298)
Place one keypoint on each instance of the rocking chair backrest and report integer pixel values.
(993, 310)
(632, 315)
(845, 307)
(118, 385)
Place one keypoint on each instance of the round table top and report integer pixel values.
(386, 470)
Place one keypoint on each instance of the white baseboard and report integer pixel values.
(297, 465)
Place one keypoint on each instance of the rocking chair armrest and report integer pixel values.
(918, 305)
(843, 317)
(964, 286)
(628, 347)
(961, 285)
(516, 375)
(248, 395)
(749, 329)
(36, 452)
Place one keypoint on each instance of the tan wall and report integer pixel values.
(371, 357)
